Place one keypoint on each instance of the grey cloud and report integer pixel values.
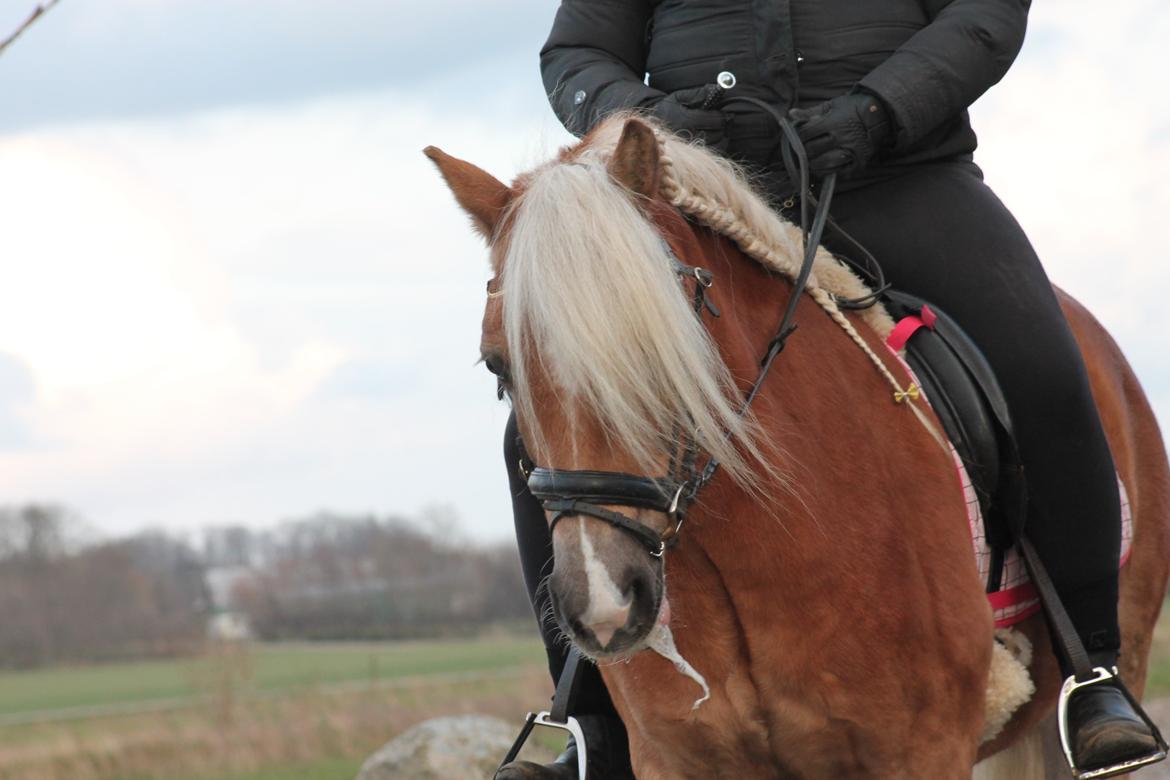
(91, 59)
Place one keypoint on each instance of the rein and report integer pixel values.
(567, 493)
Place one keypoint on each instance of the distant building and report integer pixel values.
(227, 621)
(229, 627)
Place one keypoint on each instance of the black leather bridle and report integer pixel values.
(566, 493)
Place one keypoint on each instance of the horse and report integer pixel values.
(820, 614)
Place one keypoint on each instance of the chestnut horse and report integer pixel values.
(823, 590)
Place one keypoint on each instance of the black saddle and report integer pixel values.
(965, 395)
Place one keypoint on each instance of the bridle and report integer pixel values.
(567, 493)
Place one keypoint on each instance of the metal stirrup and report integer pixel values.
(1103, 676)
(557, 717)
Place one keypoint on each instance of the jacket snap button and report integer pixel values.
(725, 79)
(579, 98)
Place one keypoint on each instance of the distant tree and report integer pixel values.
(231, 545)
(335, 577)
(64, 597)
(37, 532)
(131, 597)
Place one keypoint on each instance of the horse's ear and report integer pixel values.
(482, 196)
(635, 163)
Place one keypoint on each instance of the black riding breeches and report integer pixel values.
(940, 233)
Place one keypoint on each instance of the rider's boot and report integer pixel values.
(608, 755)
(1107, 733)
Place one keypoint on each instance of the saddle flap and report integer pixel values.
(965, 394)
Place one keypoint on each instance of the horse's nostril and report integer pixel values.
(638, 592)
(577, 627)
(634, 591)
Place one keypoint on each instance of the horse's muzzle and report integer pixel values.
(608, 616)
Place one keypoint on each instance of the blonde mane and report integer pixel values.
(588, 278)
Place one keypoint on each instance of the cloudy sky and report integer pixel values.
(233, 290)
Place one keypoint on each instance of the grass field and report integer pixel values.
(276, 712)
(265, 669)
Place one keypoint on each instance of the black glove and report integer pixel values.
(843, 134)
(692, 114)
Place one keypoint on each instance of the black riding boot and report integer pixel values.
(608, 755)
(1107, 735)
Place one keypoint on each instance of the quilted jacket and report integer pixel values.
(928, 60)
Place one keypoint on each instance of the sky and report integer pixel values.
(232, 290)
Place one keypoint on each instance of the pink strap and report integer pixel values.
(929, 318)
(906, 327)
(1023, 614)
(1012, 596)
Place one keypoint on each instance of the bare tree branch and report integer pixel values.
(37, 13)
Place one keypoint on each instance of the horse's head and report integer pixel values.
(591, 330)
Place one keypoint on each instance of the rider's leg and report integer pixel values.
(604, 733)
(940, 233)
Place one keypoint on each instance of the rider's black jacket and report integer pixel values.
(928, 60)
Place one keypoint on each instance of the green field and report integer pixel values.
(304, 711)
(265, 669)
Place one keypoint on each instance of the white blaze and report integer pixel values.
(608, 610)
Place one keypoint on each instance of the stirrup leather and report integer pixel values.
(1103, 676)
(545, 719)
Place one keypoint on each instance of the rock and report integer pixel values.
(467, 746)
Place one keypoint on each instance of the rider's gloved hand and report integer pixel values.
(843, 134)
(693, 114)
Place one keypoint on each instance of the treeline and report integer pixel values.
(363, 578)
(66, 596)
(62, 599)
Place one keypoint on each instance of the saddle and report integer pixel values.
(964, 393)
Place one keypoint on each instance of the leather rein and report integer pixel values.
(566, 493)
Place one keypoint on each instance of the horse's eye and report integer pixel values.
(496, 364)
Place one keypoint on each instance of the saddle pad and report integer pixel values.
(1016, 598)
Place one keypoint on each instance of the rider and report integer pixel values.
(878, 93)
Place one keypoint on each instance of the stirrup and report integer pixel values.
(544, 719)
(1104, 676)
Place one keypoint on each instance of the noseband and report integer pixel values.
(566, 493)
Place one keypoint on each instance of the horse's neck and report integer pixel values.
(866, 483)
(791, 601)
